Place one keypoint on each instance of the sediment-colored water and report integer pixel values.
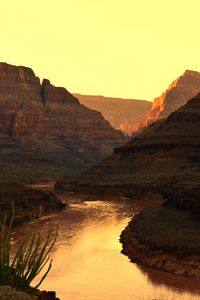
(88, 264)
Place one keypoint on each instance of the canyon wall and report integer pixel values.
(131, 115)
(44, 129)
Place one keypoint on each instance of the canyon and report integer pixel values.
(132, 116)
(162, 160)
(164, 154)
(45, 132)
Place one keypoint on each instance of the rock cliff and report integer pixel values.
(177, 94)
(44, 131)
(123, 114)
(164, 156)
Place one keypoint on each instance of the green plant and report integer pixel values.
(31, 256)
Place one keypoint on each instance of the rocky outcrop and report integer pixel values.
(168, 262)
(178, 93)
(44, 131)
(123, 114)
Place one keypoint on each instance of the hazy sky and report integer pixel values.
(125, 48)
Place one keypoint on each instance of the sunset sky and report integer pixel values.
(123, 48)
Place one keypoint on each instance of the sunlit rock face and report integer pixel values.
(46, 126)
(177, 94)
(123, 114)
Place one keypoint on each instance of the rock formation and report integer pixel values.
(44, 131)
(158, 259)
(163, 157)
(123, 114)
(178, 93)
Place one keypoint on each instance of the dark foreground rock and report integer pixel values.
(45, 295)
(8, 293)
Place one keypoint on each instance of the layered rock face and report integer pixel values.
(44, 129)
(164, 157)
(123, 114)
(178, 93)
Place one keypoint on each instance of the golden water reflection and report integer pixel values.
(87, 263)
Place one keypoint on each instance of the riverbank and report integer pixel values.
(27, 202)
(164, 238)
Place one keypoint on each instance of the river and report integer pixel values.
(88, 264)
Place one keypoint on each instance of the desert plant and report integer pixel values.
(31, 256)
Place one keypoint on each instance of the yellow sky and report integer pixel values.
(125, 48)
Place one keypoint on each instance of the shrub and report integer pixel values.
(31, 256)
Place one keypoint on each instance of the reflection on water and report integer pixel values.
(87, 263)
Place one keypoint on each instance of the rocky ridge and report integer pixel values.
(178, 93)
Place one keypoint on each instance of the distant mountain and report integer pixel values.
(178, 93)
(123, 114)
(44, 131)
(165, 157)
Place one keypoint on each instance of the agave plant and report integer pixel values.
(31, 256)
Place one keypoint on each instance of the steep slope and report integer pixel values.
(123, 114)
(164, 156)
(177, 94)
(44, 131)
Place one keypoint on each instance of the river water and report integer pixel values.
(88, 264)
